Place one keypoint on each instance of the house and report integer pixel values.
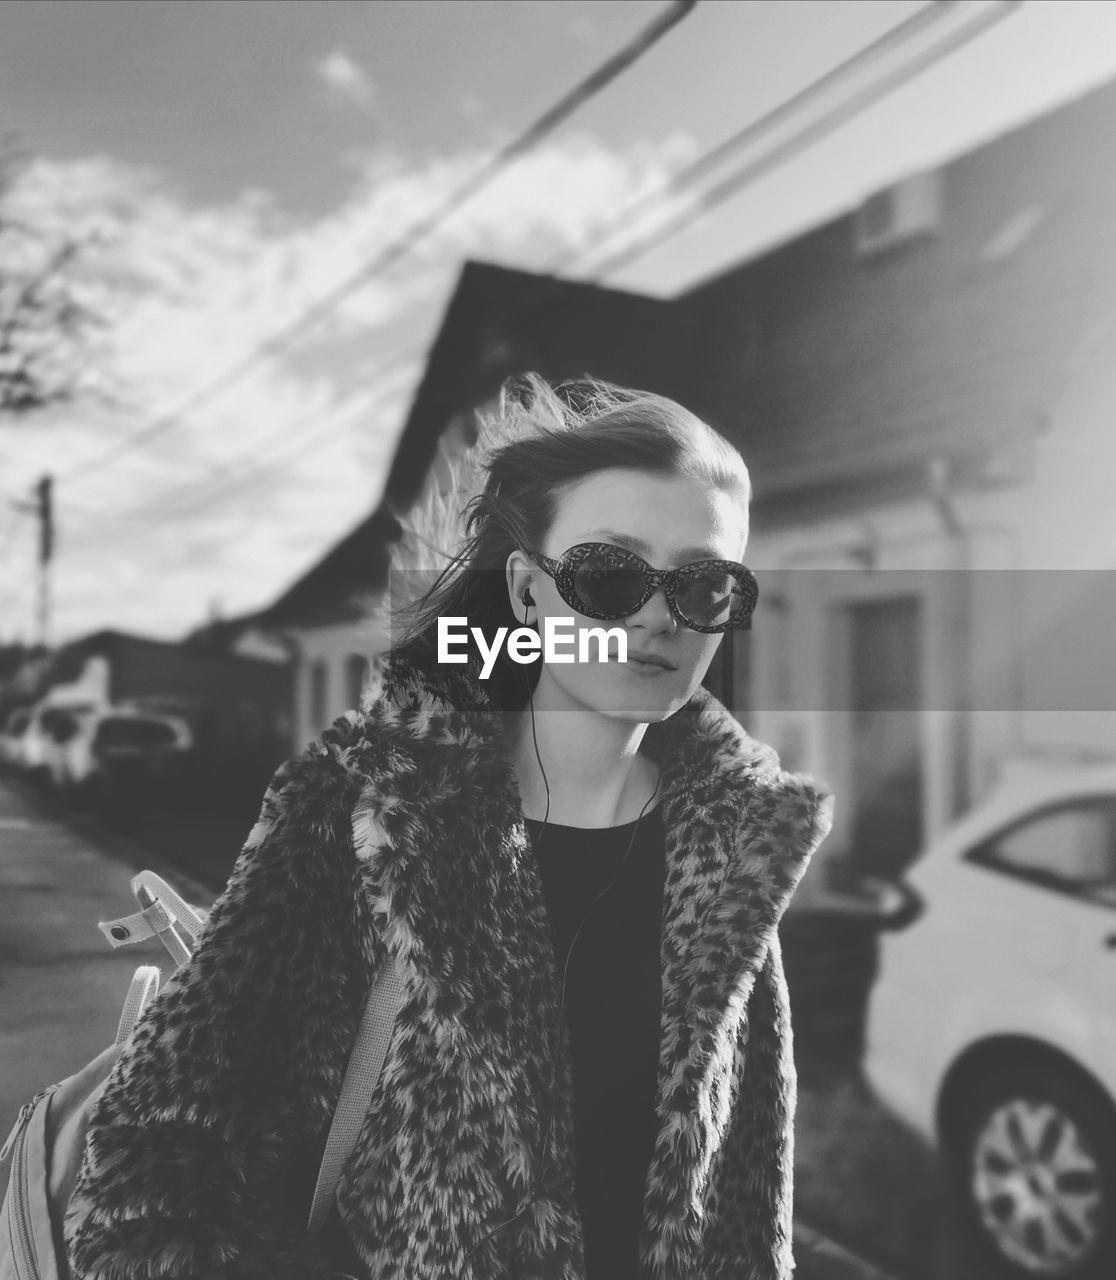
(924, 405)
(922, 388)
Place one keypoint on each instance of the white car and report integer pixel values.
(33, 747)
(116, 748)
(992, 1024)
(11, 736)
(56, 723)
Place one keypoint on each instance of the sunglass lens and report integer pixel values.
(710, 597)
(610, 584)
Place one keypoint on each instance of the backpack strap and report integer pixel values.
(149, 887)
(154, 921)
(145, 983)
(164, 909)
(362, 1074)
(164, 912)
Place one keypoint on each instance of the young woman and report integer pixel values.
(580, 866)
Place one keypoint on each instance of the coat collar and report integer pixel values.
(730, 813)
(447, 869)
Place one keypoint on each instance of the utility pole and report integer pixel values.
(44, 509)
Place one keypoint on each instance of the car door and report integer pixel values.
(1050, 885)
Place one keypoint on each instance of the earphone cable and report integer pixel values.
(565, 970)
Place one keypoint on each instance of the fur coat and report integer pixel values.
(401, 829)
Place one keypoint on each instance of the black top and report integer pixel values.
(613, 1008)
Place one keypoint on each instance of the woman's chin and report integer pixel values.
(642, 705)
(611, 691)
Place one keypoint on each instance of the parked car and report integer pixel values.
(36, 741)
(992, 1024)
(57, 722)
(11, 737)
(117, 752)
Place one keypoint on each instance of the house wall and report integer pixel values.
(956, 714)
(1018, 612)
(813, 576)
(90, 686)
(1067, 523)
(992, 345)
(326, 676)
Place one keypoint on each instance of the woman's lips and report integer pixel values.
(650, 659)
(643, 664)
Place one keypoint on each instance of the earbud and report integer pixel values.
(527, 597)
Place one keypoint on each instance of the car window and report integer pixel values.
(56, 723)
(62, 726)
(1069, 847)
(128, 732)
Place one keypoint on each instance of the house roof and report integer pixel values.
(954, 343)
(331, 590)
(562, 329)
(833, 372)
(112, 643)
(503, 321)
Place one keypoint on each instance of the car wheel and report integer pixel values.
(1033, 1150)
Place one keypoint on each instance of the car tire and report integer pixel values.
(1032, 1154)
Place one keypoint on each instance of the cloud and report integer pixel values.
(248, 490)
(346, 81)
(471, 105)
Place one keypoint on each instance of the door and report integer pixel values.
(885, 656)
(1048, 908)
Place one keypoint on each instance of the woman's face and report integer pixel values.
(668, 521)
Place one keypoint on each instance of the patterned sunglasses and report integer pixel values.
(601, 580)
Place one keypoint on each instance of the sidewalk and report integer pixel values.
(62, 985)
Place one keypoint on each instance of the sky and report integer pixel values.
(226, 164)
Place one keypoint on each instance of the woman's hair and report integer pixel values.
(533, 445)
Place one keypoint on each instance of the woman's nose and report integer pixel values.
(656, 613)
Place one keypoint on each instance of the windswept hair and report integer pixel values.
(534, 443)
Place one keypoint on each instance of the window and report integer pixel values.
(356, 672)
(126, 733)
(1070, 848)
(909, 208)
(319, 694)
(61, 723)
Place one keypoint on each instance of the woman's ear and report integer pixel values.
(518, 572)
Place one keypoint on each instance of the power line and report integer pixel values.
(233, 482)
(925, 18)
(931, 15)
(748, 173)
(307, 431)
(418, 231)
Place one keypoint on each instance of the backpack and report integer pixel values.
(47, 1142)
